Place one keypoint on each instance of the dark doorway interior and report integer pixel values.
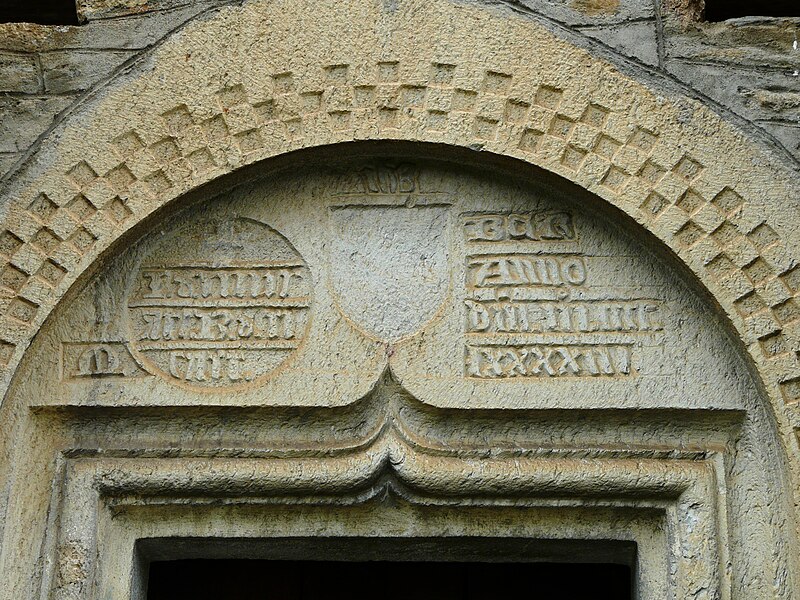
(321, 580)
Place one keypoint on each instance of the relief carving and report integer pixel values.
(389, 250)
(219, 304)
(548, 360)
(380, 179)
(543, 225)
(526, 292)
(82, 360)
(525, 270)
(563, 317)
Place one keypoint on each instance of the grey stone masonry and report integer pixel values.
(751, 66)
(20, 72)
(44, 69)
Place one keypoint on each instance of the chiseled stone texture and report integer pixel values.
(731, 63)
(102, 9)
(424, 336)
(76, 70)
(411, 313)
(45, 66)
(19, 72)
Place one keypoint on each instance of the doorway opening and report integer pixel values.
(243, 579)
(392, 568)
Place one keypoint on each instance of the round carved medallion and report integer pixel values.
(219, 304)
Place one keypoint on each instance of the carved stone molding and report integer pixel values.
(656, 159)
(392, 466)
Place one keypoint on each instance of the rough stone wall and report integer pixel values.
(45, 69)
(749, 68)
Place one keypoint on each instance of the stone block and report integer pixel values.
(786, 133)
(7, 160)
(752, 42)
(590, 12)
(756, 94)
(637, 40)
(89, 10)
(24, 119)
(19, 73)
(77, 70)
(127, 32)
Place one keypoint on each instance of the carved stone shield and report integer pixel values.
(389, 270)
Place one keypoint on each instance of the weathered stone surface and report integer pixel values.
(19, 73)
(126, 33)
(637, 40)
(688, 11)
(25, 118)
(750, 65)
(419, 268)
(78, 69)
(467, 291)
(433, 303)
(6, 161)
(761, 95)
(766, 96)
(787, 133)
(586, 12)
(747, 42)
(101, 9)
(629, 27)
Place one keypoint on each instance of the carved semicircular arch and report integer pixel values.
(219, 95)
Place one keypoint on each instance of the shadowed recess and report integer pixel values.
(331, 580)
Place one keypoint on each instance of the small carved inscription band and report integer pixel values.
(209, 365)
(502, 362)
(563, 317)
(261, 325)
(97, 360)
(525, 270)
(274, 282)
(381, 179)
(529, 226)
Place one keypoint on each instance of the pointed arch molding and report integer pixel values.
(253, 81)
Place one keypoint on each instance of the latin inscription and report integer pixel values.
(98, 360)
(533, 312)
(525, 270)
(217, 325)
(545, 225)
(213, 321)
(209, 366)
(548, 360)
(562, 317)
(380, 179)
(276, 282)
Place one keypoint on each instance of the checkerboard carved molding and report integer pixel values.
(577, 137)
